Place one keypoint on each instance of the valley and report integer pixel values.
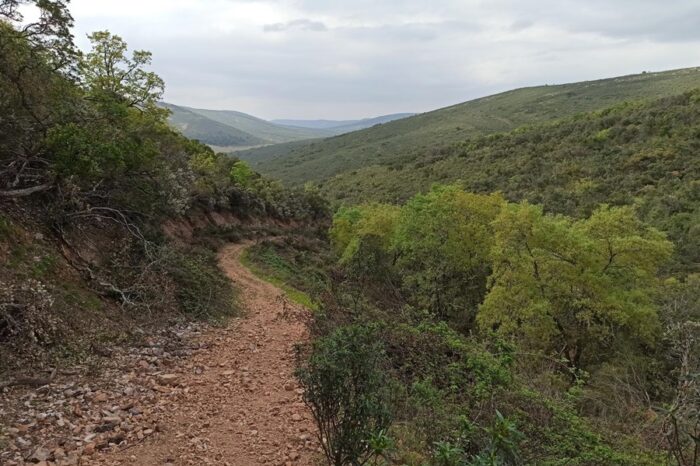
(509, 281)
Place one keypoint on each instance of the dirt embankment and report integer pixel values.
(229, 399)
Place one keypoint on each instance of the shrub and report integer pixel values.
(347, 390)
(201, 288)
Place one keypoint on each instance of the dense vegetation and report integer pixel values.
(642, 154)
(89, 173)
(418, 137)
(555, 322)
(499, 334)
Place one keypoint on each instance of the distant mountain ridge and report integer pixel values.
(228, 130)
(208, 131)
(343, 126)
(314, 124)
(263, 129)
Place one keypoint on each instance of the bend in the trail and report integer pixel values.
(237, 402)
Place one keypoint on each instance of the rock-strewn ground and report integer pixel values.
(190, 396)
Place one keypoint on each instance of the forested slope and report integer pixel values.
(419, 136)
(642, 154)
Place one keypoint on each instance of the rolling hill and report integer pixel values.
(203, 129)
(419, 137)
(314, 124)
(337, 127)
(228, 130)
(265, 130)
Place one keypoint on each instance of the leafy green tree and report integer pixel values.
(108, 72)
(574, 286)
(241, 174)
(362, 237)
(351, 224)
(50, 35)
(442, 244)
(36, 92)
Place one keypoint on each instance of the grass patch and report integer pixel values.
(6, 228)
(267, 265)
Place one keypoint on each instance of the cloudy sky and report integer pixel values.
(359, 58)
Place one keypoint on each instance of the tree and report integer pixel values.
(362, 237)
(566, 286)
(50, 35)
(442, 242)
(241, 174)
(36, 92)
(108, 73)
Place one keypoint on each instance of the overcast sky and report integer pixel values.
(359, 58)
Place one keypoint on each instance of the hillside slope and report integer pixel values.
(643, 154)
(419, 136)
(271, 132)
(195, 126)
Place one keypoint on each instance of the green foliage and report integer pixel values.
(648, 160)
(557, 294)
(503, 444)
(108, 73)
(447, 454)
(574, 285)
(241, 174)
(200, 288)
(347, 389)
(502, 448)
(441, 243)
(363, 236)
(557, 434)
(50, 34)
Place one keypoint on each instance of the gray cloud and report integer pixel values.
(302, 24)
(379, 57)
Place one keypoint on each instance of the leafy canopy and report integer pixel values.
(108, 72)
(559, 283)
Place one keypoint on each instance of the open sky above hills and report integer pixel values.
(339, 59)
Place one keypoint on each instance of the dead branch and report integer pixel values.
(26, 191)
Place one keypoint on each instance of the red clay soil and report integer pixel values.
(242, 405)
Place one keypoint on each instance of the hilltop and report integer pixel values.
(422, 135)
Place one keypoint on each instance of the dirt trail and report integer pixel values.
(242, 405)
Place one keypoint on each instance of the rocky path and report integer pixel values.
(231, 401)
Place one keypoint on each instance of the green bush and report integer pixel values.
(347, 389)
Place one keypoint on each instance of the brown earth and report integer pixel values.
(199, 396)
(246, 409)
